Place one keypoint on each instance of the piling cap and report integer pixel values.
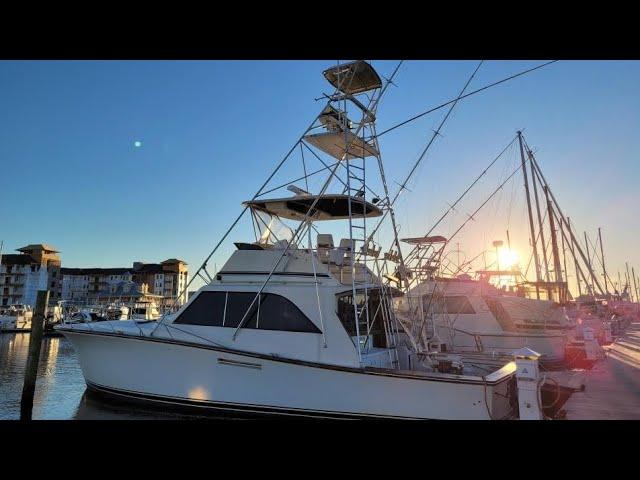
(526, 353)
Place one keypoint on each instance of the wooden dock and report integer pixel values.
(612, 389)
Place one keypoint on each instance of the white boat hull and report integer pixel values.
(181, 373)
(551, 347)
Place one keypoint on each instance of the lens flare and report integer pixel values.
(508, 258)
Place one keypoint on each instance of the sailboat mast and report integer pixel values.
(540, 227)
(604, 269)
(619, 285)
(561, 215)
(586, 243)
(564, 258)
(626, 264)
(554, 245)
(531, 227)
(573, 253)
(635, 285)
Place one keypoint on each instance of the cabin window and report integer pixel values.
(453, 305)
(206, 309)
(278, 313)
(270, 312)
(237, 305)
(346, 313)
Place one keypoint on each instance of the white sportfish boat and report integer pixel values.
(289, 327)
(474, 316)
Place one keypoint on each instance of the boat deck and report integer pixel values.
(612, 386)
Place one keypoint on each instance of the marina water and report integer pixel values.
(60, 387)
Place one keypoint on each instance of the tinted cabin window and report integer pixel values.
(451, 305)
(346, 314)
(278, 313)
(237, 305)
(271, 312)
(206, 309)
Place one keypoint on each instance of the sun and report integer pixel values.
(508, 258)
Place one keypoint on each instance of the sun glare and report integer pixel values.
(508, 258)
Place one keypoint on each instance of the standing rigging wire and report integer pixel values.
(561, 218)
(484, 203)
(391, 203)
(537, 239)
(512, 198)
(459, 199)
(499, 188)
(465, 96)
(597, 257)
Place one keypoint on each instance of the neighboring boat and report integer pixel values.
(474, 316)
(141, 311)
(116, 312)
(83, 316)
(16, 318)
(286, 327)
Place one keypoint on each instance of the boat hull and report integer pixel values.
(181, 374)
(551, 347)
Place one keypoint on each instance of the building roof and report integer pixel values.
(171, 261)
(94, 271)
(37, 246)
(140, 268)
(17, 259)
(149, 268)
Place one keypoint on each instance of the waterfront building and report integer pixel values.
(164, 281)
(36, 267)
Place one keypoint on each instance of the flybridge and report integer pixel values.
(327, 207)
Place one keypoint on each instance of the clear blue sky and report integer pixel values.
(211, 131)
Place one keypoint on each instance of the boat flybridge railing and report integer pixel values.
(342, 142)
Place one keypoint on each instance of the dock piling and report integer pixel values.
(35, 344)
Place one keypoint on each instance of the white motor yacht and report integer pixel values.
(288, 326)
(474, 316)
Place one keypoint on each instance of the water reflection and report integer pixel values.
(59, 383)
(60, 388)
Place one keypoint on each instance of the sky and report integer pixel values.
(113, 162)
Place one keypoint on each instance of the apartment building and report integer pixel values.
(164, 280)
(36, 267)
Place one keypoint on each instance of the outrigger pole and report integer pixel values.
(459, 199)
(417, 163)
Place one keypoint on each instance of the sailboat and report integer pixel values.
(463, 314)
(289, 326)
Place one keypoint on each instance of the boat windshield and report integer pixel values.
(271, 228)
